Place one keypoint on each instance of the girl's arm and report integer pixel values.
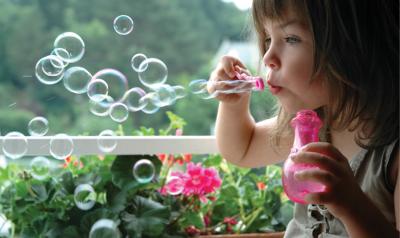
(240, 139)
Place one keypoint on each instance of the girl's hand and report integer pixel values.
(225, 70)
(342, 191)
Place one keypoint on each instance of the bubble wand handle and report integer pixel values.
(258, 81)
(242, 84)
(306, 127)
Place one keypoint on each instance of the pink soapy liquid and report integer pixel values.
(306, 125)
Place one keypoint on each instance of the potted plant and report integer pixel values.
(205, 197)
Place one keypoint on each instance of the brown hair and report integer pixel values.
(356, 47)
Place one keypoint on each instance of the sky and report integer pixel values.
(241, 4)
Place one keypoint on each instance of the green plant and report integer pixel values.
(245, 200)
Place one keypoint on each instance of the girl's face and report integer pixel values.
(289, 58)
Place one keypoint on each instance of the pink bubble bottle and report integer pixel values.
(306, 125)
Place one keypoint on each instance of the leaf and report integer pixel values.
(176, 122)
(229, 191)
(148, 218)
(91, 217)
(144, 132)
(192, 218)
(40, 191)
(67, 182)
(71, 232)
(285, 213)
(212, 161)
(116, 198)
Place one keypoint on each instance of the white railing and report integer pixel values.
(127, 145)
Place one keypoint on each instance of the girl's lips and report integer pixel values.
(274, 89)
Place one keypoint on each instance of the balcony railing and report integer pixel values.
(127, 145)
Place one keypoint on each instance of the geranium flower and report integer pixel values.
(197, 181)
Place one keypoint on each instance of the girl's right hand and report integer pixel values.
(225, 70)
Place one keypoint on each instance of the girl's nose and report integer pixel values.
(271, 60)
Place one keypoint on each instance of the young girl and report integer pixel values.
(339, 58)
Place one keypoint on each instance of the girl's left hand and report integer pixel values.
(342, 191)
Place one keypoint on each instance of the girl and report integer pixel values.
(340, 59)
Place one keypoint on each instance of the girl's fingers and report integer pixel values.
(229, 63)
(321, 160)
(326, 149)
(317, 198)
(316, 175)
(241, 70)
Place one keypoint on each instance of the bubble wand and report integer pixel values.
(242, 84)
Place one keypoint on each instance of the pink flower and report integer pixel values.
(179, 132)
(197, 181)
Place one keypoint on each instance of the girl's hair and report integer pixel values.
(356, 46)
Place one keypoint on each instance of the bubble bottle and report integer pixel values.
(306, 126)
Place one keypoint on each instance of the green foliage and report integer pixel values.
(248, 200)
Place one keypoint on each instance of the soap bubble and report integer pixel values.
(199, 87)
(106, 142)
(119, 112)
(136, 60)
(155, 74)
(84, 196)
(149, 103)
(104, 228)
(40, 167)
(132, 98)
(62, 54)
(5, 226)
(174, 185)
(97, 90)
(52, 66)
(101, 108)
(166, 95)
(61, 146)
(123, 24)
(73, 44)
(76, 79)
(180, 91)
(15, 145)
(38, 126)
(49, 70)
(143, 171)
(116, 81)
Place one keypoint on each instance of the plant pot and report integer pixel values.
(258, 235)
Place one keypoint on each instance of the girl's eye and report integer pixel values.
(292, 40)
(267, 43)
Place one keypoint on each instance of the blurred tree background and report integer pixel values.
(183, 34)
